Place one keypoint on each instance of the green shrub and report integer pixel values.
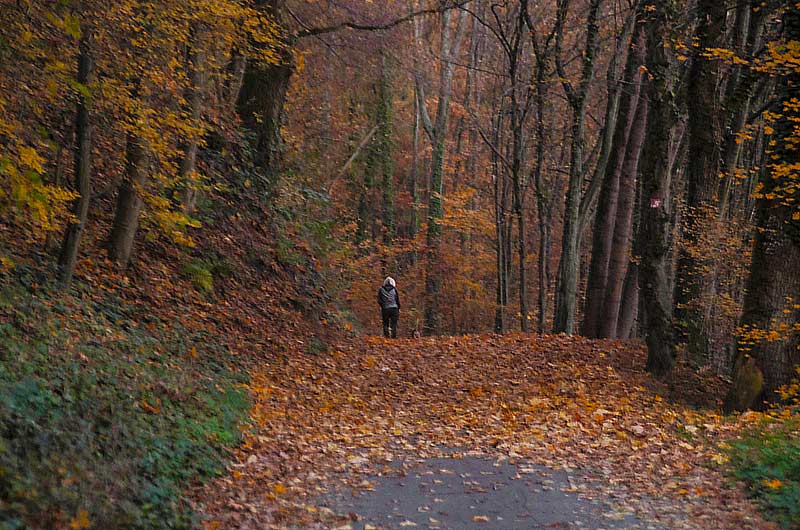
(767, 460)
(117, 424)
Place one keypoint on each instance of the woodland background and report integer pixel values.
(610, 168)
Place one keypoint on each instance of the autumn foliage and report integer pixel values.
(200, 198)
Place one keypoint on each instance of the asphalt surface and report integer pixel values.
(477, 493)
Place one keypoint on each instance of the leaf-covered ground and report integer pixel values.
(334, 420)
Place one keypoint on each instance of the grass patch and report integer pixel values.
(107, 414)
(767, 460)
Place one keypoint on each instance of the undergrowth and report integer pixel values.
(107, 414)
(767, 459)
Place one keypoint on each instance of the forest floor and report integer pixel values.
(488, 431)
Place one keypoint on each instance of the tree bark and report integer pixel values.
(514, 45)
(568, 268)
(83, 166)
(629, 308)
(499, 313)
(606, 216)
(762, 366)
(656, 204)
(261, 100)
(703, 168)
(414, 184)
(543, 201)
(741, 86)
(195, 99)
(129, 203)
(437, 133)
(620, 261)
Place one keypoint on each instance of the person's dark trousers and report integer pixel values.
(390, 317)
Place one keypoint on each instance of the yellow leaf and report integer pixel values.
(479, 518)
(773, 484)
(81, 520)
(30, 158)
(280, 489)
(151, 408)
(476, 392)
(719, 458)
(6, 263)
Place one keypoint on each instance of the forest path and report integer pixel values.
(474, 492)
(338, 434)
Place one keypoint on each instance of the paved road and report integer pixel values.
(477, 493)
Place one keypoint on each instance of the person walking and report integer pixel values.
(389, 300)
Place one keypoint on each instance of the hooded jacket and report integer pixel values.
(388, 297)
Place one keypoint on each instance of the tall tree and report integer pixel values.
(129, 202)
(83, 161)
(577, 96)
(262, 97)
(768, 350)
(542, 51)
(702, 177)
(656, 201)
(436, 130)
(613, 322)
(610, 204)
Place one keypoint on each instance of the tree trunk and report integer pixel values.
(261, 101)
(763, 365)
(195, 99)
(705, 142)
(498, 182)
(620, 261)
(656, 204)
(523, 290)
(83, 167)
(629, 307)
(513, 41)
(437, 132)
(605, 220)
(748, 40)
(384, 141)
(543, 200)
(499, 322)
(414, 186)
(129, 203)
(762, 368)
(569, 263)
(433, 239)
(544, 273)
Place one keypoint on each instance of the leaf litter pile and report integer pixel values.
(332, 421)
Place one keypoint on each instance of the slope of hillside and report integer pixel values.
(117, 395)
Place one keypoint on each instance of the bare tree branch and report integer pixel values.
(487, 141)
(349, 24)
(364, 141)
